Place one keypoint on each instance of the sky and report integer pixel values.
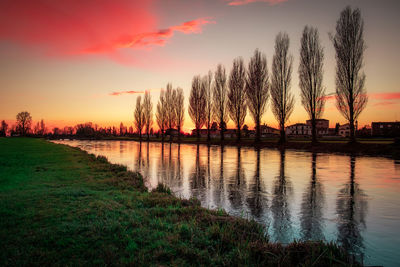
(72, 61)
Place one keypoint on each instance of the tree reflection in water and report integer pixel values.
(237, 184)
(255, 195)
(197, 177)
(351, 208)
(311, 218)
(219, 182)
(280, 209)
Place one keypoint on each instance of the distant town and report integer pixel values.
(301, 130)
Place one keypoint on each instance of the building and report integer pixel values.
(298, 129)
(268, 131)
(391, 129)
(322, 126)
(344, 130)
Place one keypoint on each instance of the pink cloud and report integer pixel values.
(117, 93)
(384, 103)
(143, 40)
(245, 2)
(386, 96)
(66, 26)
(76, 27)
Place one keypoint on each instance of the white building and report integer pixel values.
(298, 129)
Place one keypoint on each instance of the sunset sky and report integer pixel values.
(73, 61)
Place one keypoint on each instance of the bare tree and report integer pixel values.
(257, 87)
(311, 75)
(351, 96)
(24, 120)
(207, 85)
(170, 107)
(197, 104)
(220, 99)
(139, 116)
(236, 95)
(43, 129)
(161, 116)
(4, 127)
(148, 113)
(282, 98)
(36, 129)
(179, 110)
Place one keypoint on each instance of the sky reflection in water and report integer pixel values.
(296, 195)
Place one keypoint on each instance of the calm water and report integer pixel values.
(297, 195)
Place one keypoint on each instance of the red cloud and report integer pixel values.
(68, 27)
(245, 2)
(125, 92)
(151, 38)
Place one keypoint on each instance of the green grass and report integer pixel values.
(61, 206)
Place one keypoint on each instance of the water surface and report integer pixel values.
(296, 195)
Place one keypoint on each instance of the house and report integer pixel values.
(391, 129)
(298, 129)
(203, 133)
(322, 126)
(268, 131)
(344, 130)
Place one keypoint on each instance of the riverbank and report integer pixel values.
(61, 206)
(366, 147)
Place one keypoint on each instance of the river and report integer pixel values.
(296, 195)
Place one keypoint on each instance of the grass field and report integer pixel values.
(61, 206)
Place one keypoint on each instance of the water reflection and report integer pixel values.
(296, 195)
(237, 184)
(352, 210)
(280, 208)
(312, 206)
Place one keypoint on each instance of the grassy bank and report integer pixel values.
(61, 206)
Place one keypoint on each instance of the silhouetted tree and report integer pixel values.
(36, 129)
(351, 96)
(139, 116)
(257, 87)
(121, 129)
(236, 95)
(4, 127)
(282, 98)
(43, 129)
(179, 110)
(148, 113)
(170, 107)
(24, 120)
(311, 75)
(220, 99)
(207, 84)
(197, 104)
(161, 116)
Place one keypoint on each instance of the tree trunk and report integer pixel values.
(313, 129)
(208, 133)
(258, 130)
(222, 130)
(352, 135)
(198, 134)
(282, 139)
(179, 133)
(238, 134)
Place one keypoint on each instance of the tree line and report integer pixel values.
(220, 97)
